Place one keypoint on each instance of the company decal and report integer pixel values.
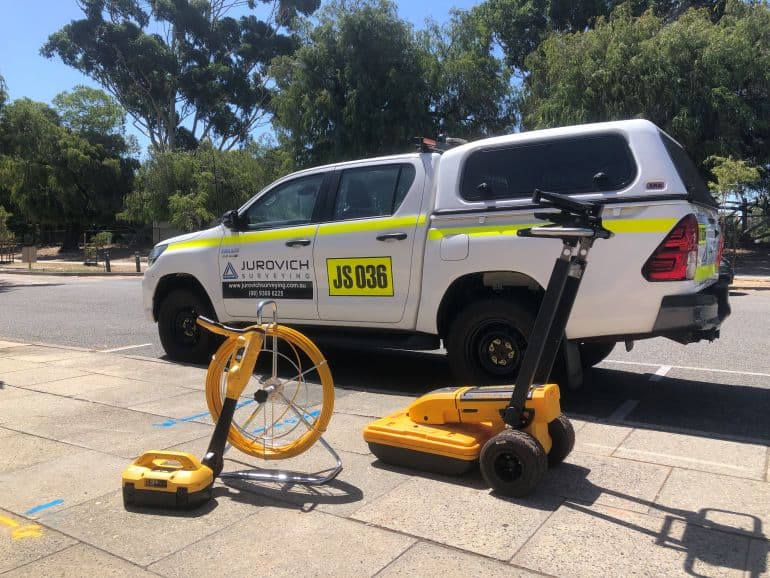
(363, 276)
(273, 278)
(229, 272)
(272, 289)
(230, 252)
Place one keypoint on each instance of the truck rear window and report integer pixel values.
(688, 172)
(595, 163)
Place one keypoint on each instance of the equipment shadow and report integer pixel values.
(707, 536)
(262, 494)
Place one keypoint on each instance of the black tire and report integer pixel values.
(182, 338)
(487, 339)
(593, 353)
(562, 440)
(513, 463)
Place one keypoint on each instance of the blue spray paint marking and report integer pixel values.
(36, 509)
(171, 421)
(288, 421)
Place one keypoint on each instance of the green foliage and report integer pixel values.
(52, 175)
(3, 92)
(471, 95)
(191, 189)
(102, 239)
(88, 110)
(6, 235)
(172, 61)
(519, 26)
(706, 83)
(355, 88)
(96, 116)
(732, 177)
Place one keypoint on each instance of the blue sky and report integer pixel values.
(25, 26)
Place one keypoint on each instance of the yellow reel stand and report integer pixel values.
(283, 406)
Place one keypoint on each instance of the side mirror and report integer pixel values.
(231, 220)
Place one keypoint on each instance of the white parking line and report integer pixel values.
(624, 410)
(125, 348)
(661, 373)
(688, 367)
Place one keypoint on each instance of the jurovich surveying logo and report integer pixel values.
(229, 272)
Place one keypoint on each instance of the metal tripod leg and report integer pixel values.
(273, 475)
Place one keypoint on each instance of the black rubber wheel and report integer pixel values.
(182, 338)
(513, 463)
(562, 440)
(593, 353)
(487, 339)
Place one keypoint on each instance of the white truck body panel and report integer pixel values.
(411, 258)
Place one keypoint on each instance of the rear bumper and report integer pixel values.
(691, 318)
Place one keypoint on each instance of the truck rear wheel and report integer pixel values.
(182, 338)
(487, 339)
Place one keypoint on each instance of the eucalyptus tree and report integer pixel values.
(185, 70)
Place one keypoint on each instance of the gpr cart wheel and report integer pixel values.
(562, 440)
(513, 462)
(288, 401)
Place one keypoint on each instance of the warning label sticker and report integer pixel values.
(271, 289)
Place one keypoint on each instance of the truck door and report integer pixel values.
(363, 257)
(271, 256)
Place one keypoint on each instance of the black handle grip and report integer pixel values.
(566, 203)
(392, 236)
(298, 243)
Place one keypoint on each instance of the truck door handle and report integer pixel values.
(298, 243)
(392, 237)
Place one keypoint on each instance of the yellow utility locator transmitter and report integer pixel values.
(178, 480)
(166, 479)
(512, 433)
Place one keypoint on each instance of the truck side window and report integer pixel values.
(688, 172)
(567, 165)
(287, 204)
(372, 191)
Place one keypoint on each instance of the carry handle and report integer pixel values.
(225, 330)
(154, 459)
(566, 203)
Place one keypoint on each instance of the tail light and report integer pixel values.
(676, 258)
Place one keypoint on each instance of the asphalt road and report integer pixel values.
(720, 388)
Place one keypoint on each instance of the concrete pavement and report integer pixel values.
(628, 501)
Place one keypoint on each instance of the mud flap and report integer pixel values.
(573, 364)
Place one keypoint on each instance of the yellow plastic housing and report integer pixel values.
(456, 423)
(168, 471)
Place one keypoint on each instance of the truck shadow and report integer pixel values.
(708, 408)
(8, 286)
(399, 371)
(713, 409)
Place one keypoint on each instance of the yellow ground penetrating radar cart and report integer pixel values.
(271, 407)
(513, 433)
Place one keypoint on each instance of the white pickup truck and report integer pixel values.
(413, 250)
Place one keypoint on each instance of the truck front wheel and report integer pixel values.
(486, 341)
(182, 338)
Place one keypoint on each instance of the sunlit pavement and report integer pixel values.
(657, 499)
